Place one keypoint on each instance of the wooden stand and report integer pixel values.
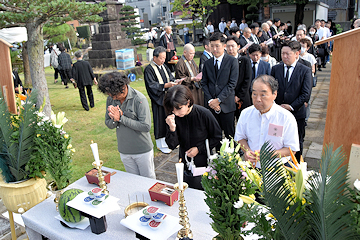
(343, 109)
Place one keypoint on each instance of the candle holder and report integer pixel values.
(184, 220)
(102, 182)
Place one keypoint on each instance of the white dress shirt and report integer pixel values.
(233, 24)
(219, 60)
(256, 66)
(278, 126)
(222, 26)
(211, 28)
(290, 71)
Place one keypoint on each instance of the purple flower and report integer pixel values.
(244, 174)
(209, 177)
(213, 172)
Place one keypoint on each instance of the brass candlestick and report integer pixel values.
(184, 220)
(102, 182)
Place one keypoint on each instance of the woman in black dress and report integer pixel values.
(189, 126)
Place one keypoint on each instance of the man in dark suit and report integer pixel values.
(206, 54)
(220, 75)
(167, 42)
(294, 86)
(242, 94)
(259, 67)
(254, 31)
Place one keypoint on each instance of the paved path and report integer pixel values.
(165, 163)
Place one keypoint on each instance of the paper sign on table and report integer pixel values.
(80, 225)
(109, 205)
(169, 226)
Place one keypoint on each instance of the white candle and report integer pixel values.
(94, 148)
(180, 174)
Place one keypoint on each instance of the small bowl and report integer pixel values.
(152, 211)
(101, 197)
(144, 220)
(96, 203)
(159, 217)
(96, 191)
(88, 200)
(154, 225)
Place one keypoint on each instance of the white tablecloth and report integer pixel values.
(40, 220)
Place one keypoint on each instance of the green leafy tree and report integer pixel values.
(60, 33)
(299, 12)
(33, 15)
(129, 23)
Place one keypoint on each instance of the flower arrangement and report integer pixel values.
(223, 182)
(53, 146)
(355, 197)
(17, 134)
(299, 204)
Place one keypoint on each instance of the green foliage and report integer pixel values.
(53, 145)
(17, 134)
(60, 33)
(339, 29)
(223, 183)
(252, 8)
(355, 212)
(137, 41)
(195, 9)
(84, 31)
(129, 23)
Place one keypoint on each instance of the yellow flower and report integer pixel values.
(247, 199)
(252, 196)
(73, 149)
(303, 201)
(38, 135)
(69, 146)
(66, 136)
(205, 174)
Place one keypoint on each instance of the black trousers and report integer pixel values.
(56, 73)
(83, 96)
(66, 74)
(227, 124)
(301, 131)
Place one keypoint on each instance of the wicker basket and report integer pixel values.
(23, 195)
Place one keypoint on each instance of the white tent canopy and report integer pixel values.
(15, 34)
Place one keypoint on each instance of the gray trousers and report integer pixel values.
(139, 164)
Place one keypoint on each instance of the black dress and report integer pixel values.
(191, 131)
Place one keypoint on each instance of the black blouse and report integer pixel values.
(192, 130)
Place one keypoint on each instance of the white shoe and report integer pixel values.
(165, 150)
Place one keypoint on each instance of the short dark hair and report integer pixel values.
(293, 45)
(234, 30)
(217, 36)
(78, 54)
(317, 20)
(288, 22)
(254, 25)
(268, 80)
(113, 83)
(234, 38)
(61, 47)
(265, 50)
(322, 20)
(177, 96)
(276, 20)
(206, 42)
(158, 50)
(254, 48)
(306, 41)
(301, 29)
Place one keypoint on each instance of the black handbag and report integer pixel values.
(193, 182)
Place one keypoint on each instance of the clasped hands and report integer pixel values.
(214, 104)
(252, 156)
(115, 113)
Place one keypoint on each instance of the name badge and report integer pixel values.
(275, 130)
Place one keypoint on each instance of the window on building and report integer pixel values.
(142, 10)
(164, 11)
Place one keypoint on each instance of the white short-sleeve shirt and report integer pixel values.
(278, 126)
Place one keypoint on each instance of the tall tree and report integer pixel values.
(195, 9)
(299, 12)
(33, 15)
(129, 24)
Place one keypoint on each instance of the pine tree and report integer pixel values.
(33, 15)
(129, 23)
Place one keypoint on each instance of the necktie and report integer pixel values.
(287, 75)
(269, 34)
(216, 67)
(253, 70)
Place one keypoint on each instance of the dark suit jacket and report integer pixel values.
(264, 37)
(83, 73)
(297, 90)
(203, 59)
(273, 31)
(243, 41)
(244, 81)
(251, 38)
(263, 68)
(223, 85)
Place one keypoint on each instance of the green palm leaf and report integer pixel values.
(328, 212)
(290, 222)
(18, 143)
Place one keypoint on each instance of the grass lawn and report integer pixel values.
(84, 126)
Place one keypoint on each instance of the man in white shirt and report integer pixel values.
(210, 27)
(233, 23)
(222, 25)
(266, 121)
(321, 32)
(243, 25)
